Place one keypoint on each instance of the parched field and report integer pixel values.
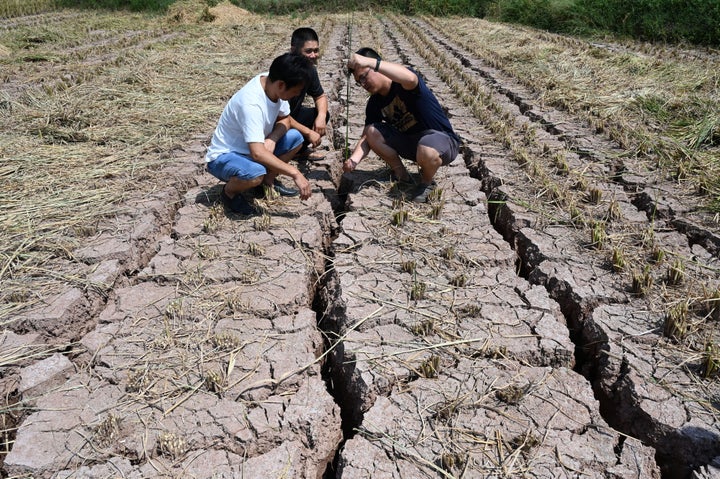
(552, 313)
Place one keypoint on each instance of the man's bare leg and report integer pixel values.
(388, 154)
(236, 186)
(429, 161)
(286, 157)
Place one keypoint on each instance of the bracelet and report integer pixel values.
(377, 64)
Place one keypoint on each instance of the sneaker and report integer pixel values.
(282, 190)
(422, 192)
(238, 204)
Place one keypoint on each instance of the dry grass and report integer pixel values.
(15, 8)
(552, 181)
(95, 127)
(660, 104)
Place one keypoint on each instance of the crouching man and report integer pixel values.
(253, 142)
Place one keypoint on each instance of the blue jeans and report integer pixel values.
(242, 166)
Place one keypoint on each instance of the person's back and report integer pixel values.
(240, 118)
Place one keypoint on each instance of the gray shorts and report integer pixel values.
(406, 144)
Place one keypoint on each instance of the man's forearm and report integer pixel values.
(281, 127)
(321, 103)
(360, 151)
(304, 130)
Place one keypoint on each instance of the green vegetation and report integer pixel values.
(133, 5)
(693, 21)
(472, 8)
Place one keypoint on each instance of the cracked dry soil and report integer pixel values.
(356, 335)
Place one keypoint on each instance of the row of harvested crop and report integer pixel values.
(16, 8)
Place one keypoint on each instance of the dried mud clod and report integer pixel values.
(511, 394)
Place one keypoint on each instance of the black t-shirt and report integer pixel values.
(313, 88)
(409, 111)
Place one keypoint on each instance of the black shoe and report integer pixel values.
(281, 189)
(423, 192)
(284, 190)
(238, 204)
(402, 183)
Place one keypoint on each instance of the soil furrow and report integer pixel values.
(591, 322)
(643, 187)
(437, 361)
(531, 320)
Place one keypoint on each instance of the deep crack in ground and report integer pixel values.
(327, 339)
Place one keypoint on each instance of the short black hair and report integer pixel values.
(291, 68)
(366, 52)
(301, 36)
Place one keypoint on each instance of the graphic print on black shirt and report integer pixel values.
(397, 115)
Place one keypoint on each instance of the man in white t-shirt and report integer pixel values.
(253, 141)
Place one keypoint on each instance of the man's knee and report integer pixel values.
(374, 136)
(292, 140)
(428, 155)
(295, 136)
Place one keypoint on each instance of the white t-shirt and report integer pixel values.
(248, 117)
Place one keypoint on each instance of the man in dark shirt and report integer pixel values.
(311, 122)
(402, 119)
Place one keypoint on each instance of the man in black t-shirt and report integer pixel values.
(402, 119)
(311, 122)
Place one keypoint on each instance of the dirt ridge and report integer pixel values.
(360, 335)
